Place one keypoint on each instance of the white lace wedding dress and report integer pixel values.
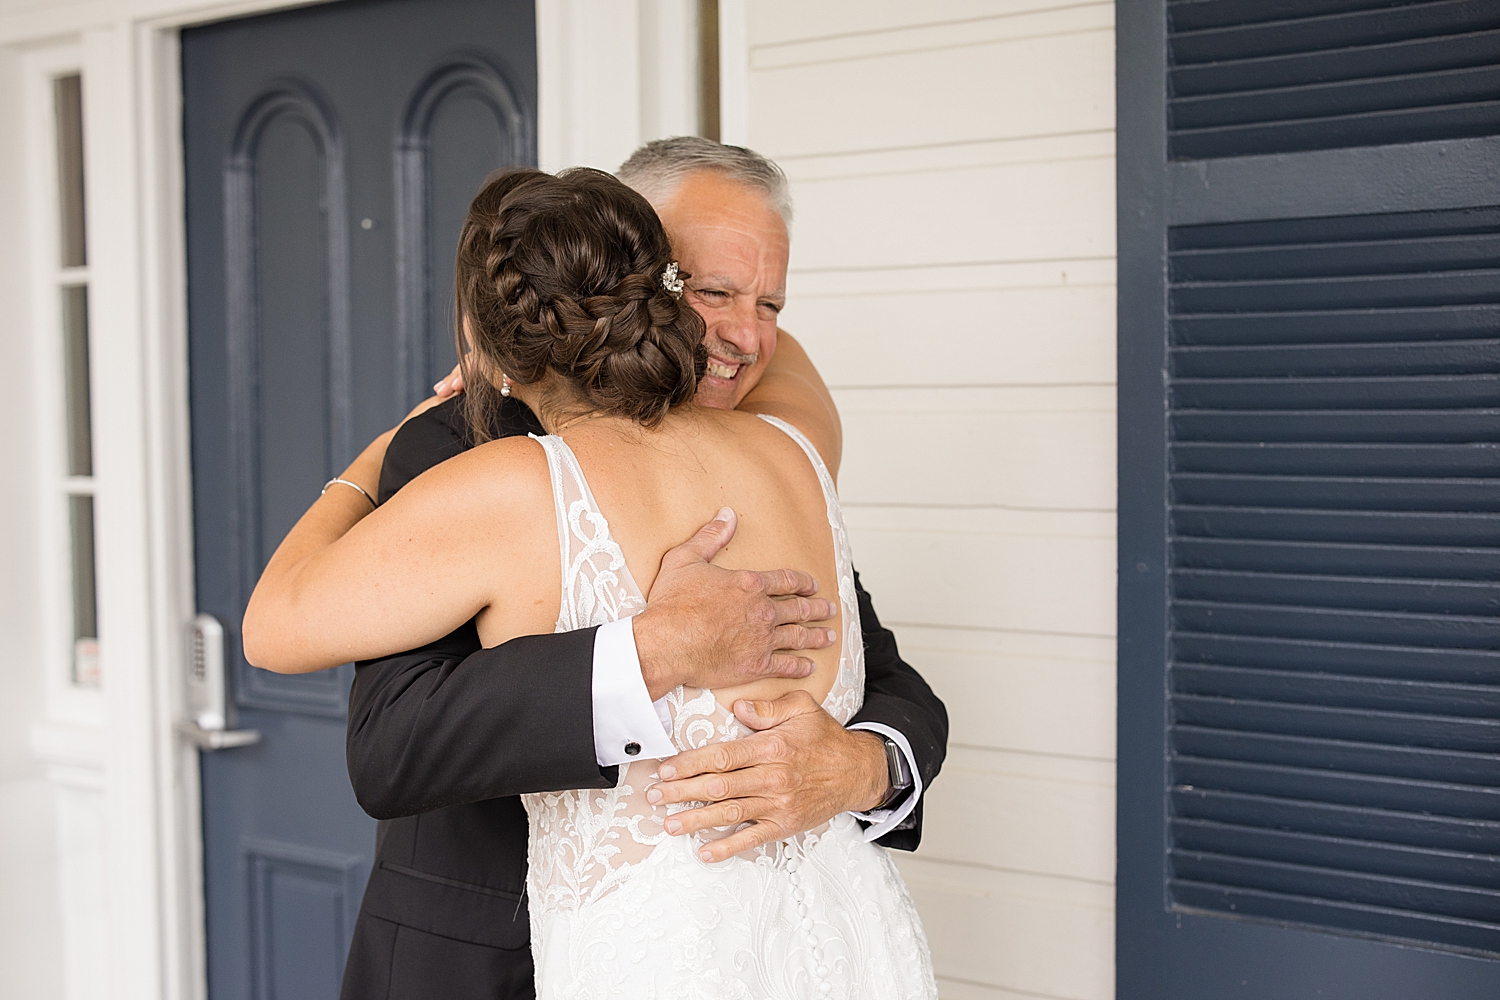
(621, 909)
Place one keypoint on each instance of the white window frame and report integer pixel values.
(67, 702)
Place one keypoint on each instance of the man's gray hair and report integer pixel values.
(660, 166)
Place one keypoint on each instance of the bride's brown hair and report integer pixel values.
(562, 274)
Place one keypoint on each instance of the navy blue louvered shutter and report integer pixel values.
(1309, 237)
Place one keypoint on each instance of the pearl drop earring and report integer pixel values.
(504, 385)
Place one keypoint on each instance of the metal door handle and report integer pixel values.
(206, 726)
(217, 739)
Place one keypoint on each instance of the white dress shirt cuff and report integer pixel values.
(883, 821)
(627, 725)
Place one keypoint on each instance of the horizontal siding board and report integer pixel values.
(1363, 725)
(1312, 911)
(1339, 690)
(1335, 820)
(988, 569)
(1459, 666)
(1309, 557)
(1429, 798)
(1344, 755)
(1042, 936)
(1447, 597)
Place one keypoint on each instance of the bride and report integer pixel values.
(569, 299)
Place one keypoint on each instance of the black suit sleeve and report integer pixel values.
(897, 696)
(452, 723)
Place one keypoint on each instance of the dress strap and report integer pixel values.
(597, 586)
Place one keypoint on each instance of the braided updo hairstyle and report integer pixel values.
(562, 275)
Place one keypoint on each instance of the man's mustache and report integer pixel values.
(724, 352)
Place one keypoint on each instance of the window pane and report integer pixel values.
(75, 315)
(85, 615)
(68, 96)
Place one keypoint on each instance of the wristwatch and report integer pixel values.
(900, 773)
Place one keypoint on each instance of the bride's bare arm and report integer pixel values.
(331, 594)
(792, 389)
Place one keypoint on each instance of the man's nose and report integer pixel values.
(738, 329)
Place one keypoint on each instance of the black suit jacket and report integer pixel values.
(443, 740)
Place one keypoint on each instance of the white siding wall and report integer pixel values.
(953, 277)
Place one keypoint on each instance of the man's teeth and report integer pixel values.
(720, 370)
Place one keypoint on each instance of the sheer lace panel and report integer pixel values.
(584, 843)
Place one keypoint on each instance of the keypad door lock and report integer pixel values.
(207, 711)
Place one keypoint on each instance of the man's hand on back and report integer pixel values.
(709, 627)
(799, 771)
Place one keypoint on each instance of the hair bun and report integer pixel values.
(563, 275)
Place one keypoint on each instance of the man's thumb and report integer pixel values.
(713, 536)
(769, 714)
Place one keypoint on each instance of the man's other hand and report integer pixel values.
(709, 627)
(797, 772)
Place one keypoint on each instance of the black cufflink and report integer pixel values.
(632, 748)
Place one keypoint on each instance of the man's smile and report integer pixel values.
(719, 368)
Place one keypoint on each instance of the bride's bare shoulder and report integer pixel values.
(491, 482)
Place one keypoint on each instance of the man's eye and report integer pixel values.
(772, 307)
(712, 293)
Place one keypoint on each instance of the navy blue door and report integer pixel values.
(1309, 613)
(331, 153)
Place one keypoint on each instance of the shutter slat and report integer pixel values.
(1338, 690)
(1419, 391)
(1343, 97)
(1449, 597)
(1333, 30)
(1395, 892)
(1369, 493)
(1321, 326)
(1314, 78)
(1362, 291)
(1375, 527)
(1353, 426)
(1361, 726)
(1460, 666)
(1338, 852)
(1443, 357)
(1313, 259)
(1338, 625)
(1412, 55)
(1464, 467)
(1343, 755)
(1316, 912)
(1332, 819)
(1430, 798)
(1353, 560)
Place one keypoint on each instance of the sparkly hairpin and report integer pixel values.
(670, 281)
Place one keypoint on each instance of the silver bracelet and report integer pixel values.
(356, 486)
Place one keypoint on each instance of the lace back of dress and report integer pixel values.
(584, 843)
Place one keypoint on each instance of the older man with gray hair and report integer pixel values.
(443, 740)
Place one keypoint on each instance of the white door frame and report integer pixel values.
(610, 74)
